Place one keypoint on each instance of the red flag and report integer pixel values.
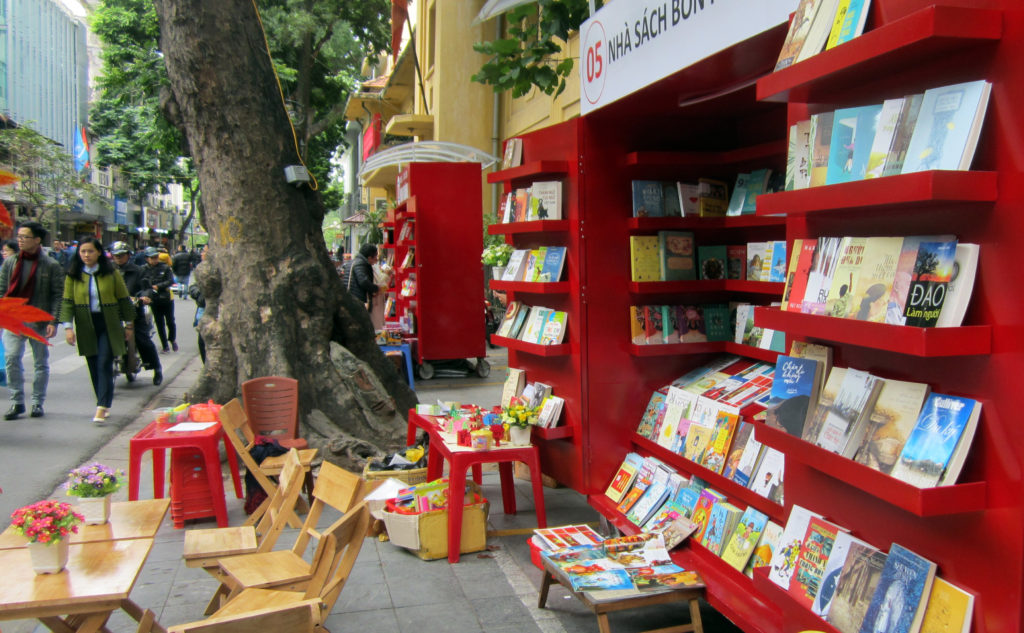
(399, 13)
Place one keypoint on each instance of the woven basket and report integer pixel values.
(412, 476)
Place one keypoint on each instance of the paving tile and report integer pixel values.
(485, 586)
(413, 591)
(357, 596)
(177, 614)
(500, 609)
(362, 621)
(452, 617)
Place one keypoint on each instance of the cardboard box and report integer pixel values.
(426, 534)
(522, 472)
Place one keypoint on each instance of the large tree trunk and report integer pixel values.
(274, 301)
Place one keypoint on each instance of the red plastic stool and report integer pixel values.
(191, 497)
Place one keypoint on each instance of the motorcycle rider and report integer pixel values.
(139, 290)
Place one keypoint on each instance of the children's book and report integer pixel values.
(534, 324)
(716, 321)
(799, 28)
(765, 548)
(623, 479)
(567, 536)
(669, 325)
(821, 27)
(855, 587)
(553, 330)
(735, 454)
(933, 269)
(607, 580)
(810, 564)
(948, 127)
(721, 440)
(757, 183)
(834, 567)
(783, 565)
(744, 538)
(672, 523)
(511, 313)
(552, 265)
(697, 439)
(892, 419)
(777, 265)
(756, 252)
(678, 261)
(901, 596)
(648, 504)
(647, 200)
(665, 577)
(550, 412)
(702, 511)
(645, 260)
(937, 447)
(949, 610)
(654, 412)
(721, 523)
(676, 422)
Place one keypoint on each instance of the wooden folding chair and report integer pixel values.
(325, 577)
(232, 419)
(295, 617)
(335, 488)
(204, 547)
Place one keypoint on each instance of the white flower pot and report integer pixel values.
(497, 272)
(519, 435)
(49, 558)
(96, 510)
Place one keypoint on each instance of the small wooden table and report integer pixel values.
(157, 437)
(601, 603)
(96, 582)
(128, 520)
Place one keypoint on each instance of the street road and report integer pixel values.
(37, 453)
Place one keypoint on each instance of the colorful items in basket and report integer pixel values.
(390, 335)
(432, 495)
(209, 412)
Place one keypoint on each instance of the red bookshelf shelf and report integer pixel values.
(772, 149)
(563, 349)
(388, 246)
(767, 355)
(797, 615)
(675, 349)
(535, 226)
(535, 287)
(923, 502)
(556, 433)
(929, 342)
(694, 222)
(530, 170)
(755, 287)
(891, 192)
(901, 45)
(715, 480)
(663, 287)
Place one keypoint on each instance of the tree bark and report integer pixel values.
(274, 301)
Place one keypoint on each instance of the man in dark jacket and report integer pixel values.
(159, 279)
(181, 266)
(360, 281)
(140, 292)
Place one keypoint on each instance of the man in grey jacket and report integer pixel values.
(40, 279)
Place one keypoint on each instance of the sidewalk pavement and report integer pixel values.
(494, 591)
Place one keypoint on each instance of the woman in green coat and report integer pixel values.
(97, 301)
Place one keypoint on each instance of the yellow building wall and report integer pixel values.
(537, 110)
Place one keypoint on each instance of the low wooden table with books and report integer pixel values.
(601, 603)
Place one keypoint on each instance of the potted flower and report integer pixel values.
(519, 418)
(93, 484)
(496, 256)
(47, 525)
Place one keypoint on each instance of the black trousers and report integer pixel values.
(101, 366)
(144, 344)
(163, 315)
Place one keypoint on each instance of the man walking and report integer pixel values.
(159, 278)
(39, 279)
(141, 292)
(181, 266)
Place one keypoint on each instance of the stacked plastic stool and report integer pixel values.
(191, 497)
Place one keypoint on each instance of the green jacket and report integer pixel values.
(115, 304)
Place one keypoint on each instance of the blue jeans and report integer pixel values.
(182, 280)
(101, 366)
(14, 349)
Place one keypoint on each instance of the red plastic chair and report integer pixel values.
(272, 407)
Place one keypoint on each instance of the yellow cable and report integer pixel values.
(280, 91)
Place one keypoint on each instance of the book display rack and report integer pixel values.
(973, 530)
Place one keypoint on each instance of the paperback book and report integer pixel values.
(938, 445)
(900, 598)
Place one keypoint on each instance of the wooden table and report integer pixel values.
(128, 520)
(97, 581)
(601, 603)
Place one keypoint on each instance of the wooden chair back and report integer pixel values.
(336, 555)
(299, 617)
(282, 503)
(272, 405)
(232, 420)
(334, 487)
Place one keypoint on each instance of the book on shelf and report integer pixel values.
(678, 407)
(639, 487)
(673, 523)
(516, 267)
(636, 325)
(677, 260)
(749, 455)
(769, 477)
(794, 393)
(721, 522)
(801, 155)
(548, 193)
(520, 205)
(784, 558)
(741, 543)
(515, 382)
(766, 261)
(757, 183)
(645, 259)
(904, 273)
(688, 199)
(794, 261)
(649, 503)
(855, 586)
(873, 284)
(712, 197)
(671, 205)
(901, 596)
(851, 15)
(948, 126)
(960, 285)
(933, 269)
(647, 199)
(892, 419)
(652, 324)
(853, 132)
(822, 353)
(765, 548)
(702, 511)
(716, 321)
(897, 154)
(833, 568)
(534, 209)
(721, 439)
(937, 447)
(821, 143)
(712, 262)
(845, 421)
(776, 264)
(739, 195)
(884, 132)
(736, 261)
(552, 264)
(819, 30)
(507, 204)
(623, 479)
(669, 325)
(686, 498)
(949, 609)
(534, 263)
(756, 252)
(820, 276)
(851, 257)
(553, 329)
(692, 326)
(811, 561)
(654, 413)
(826, 397)
(799, 28)
(698, 437)
(534, 324)
(513, 156)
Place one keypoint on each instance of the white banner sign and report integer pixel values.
(629, 44)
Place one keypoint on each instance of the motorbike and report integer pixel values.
(129, 363)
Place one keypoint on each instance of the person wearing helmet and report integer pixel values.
(140, 293)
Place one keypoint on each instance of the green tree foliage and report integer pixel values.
(531, 52)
